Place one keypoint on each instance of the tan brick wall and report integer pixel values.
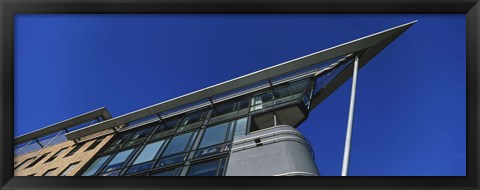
(60, 162)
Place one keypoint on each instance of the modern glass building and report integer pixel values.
(242, 127)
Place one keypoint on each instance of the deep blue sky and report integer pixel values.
(410, 106)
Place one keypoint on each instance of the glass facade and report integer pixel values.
(196, 143)
(260, 101)
(95, 166)
(149, 152)
(117, 162)
(215, 135)
(209, 168)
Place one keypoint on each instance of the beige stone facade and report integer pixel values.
(61, 162)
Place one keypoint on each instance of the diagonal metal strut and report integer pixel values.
(348, 138)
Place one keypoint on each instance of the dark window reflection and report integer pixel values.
(178, 144)
(209, 168)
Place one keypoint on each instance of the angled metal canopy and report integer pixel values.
(371, 45)
(388, 36)
(100, 112)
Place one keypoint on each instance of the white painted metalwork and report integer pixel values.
(348, 138)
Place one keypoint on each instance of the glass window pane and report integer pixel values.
(193, 117)
(177, 144)
(171, 160)
(149, 152)
(212, 150)
(240, 128)
(163, 132)
(281, 91)
(222, 166)
(204, 169)
(298, 86)
(140, 167)
(243, 103)
(95, 166)
(265, 97)
(141, 133)
(165, 173)
(161, 128)
(170, 122)
(118, 160)
(214, 135)
(114, 173)
(121, 139)
(225, 107)
(259, 101)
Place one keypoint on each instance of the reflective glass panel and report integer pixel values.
(204, 169)
(177, 144)
(259, 101)
(114, 173)
(165, 173)
(193, 117)
(140, 168)
(118, 160)
(95, 166)
(281, 91)
(171, 160)
(141, 133)
(240, 128)
(121, 139)
(225, 107)
(148, 153)
(214, 135)
(243, 103)
(170, 122)
(212, 150)
(298, 86)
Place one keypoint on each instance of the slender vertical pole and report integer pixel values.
(348, 138)
(274, 119)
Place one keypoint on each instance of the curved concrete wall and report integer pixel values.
(276, 151)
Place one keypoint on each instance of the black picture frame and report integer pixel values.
(8, 9)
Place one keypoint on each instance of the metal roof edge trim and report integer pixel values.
(276, 70)
(64, 124)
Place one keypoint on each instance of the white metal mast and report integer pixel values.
(348, 138)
